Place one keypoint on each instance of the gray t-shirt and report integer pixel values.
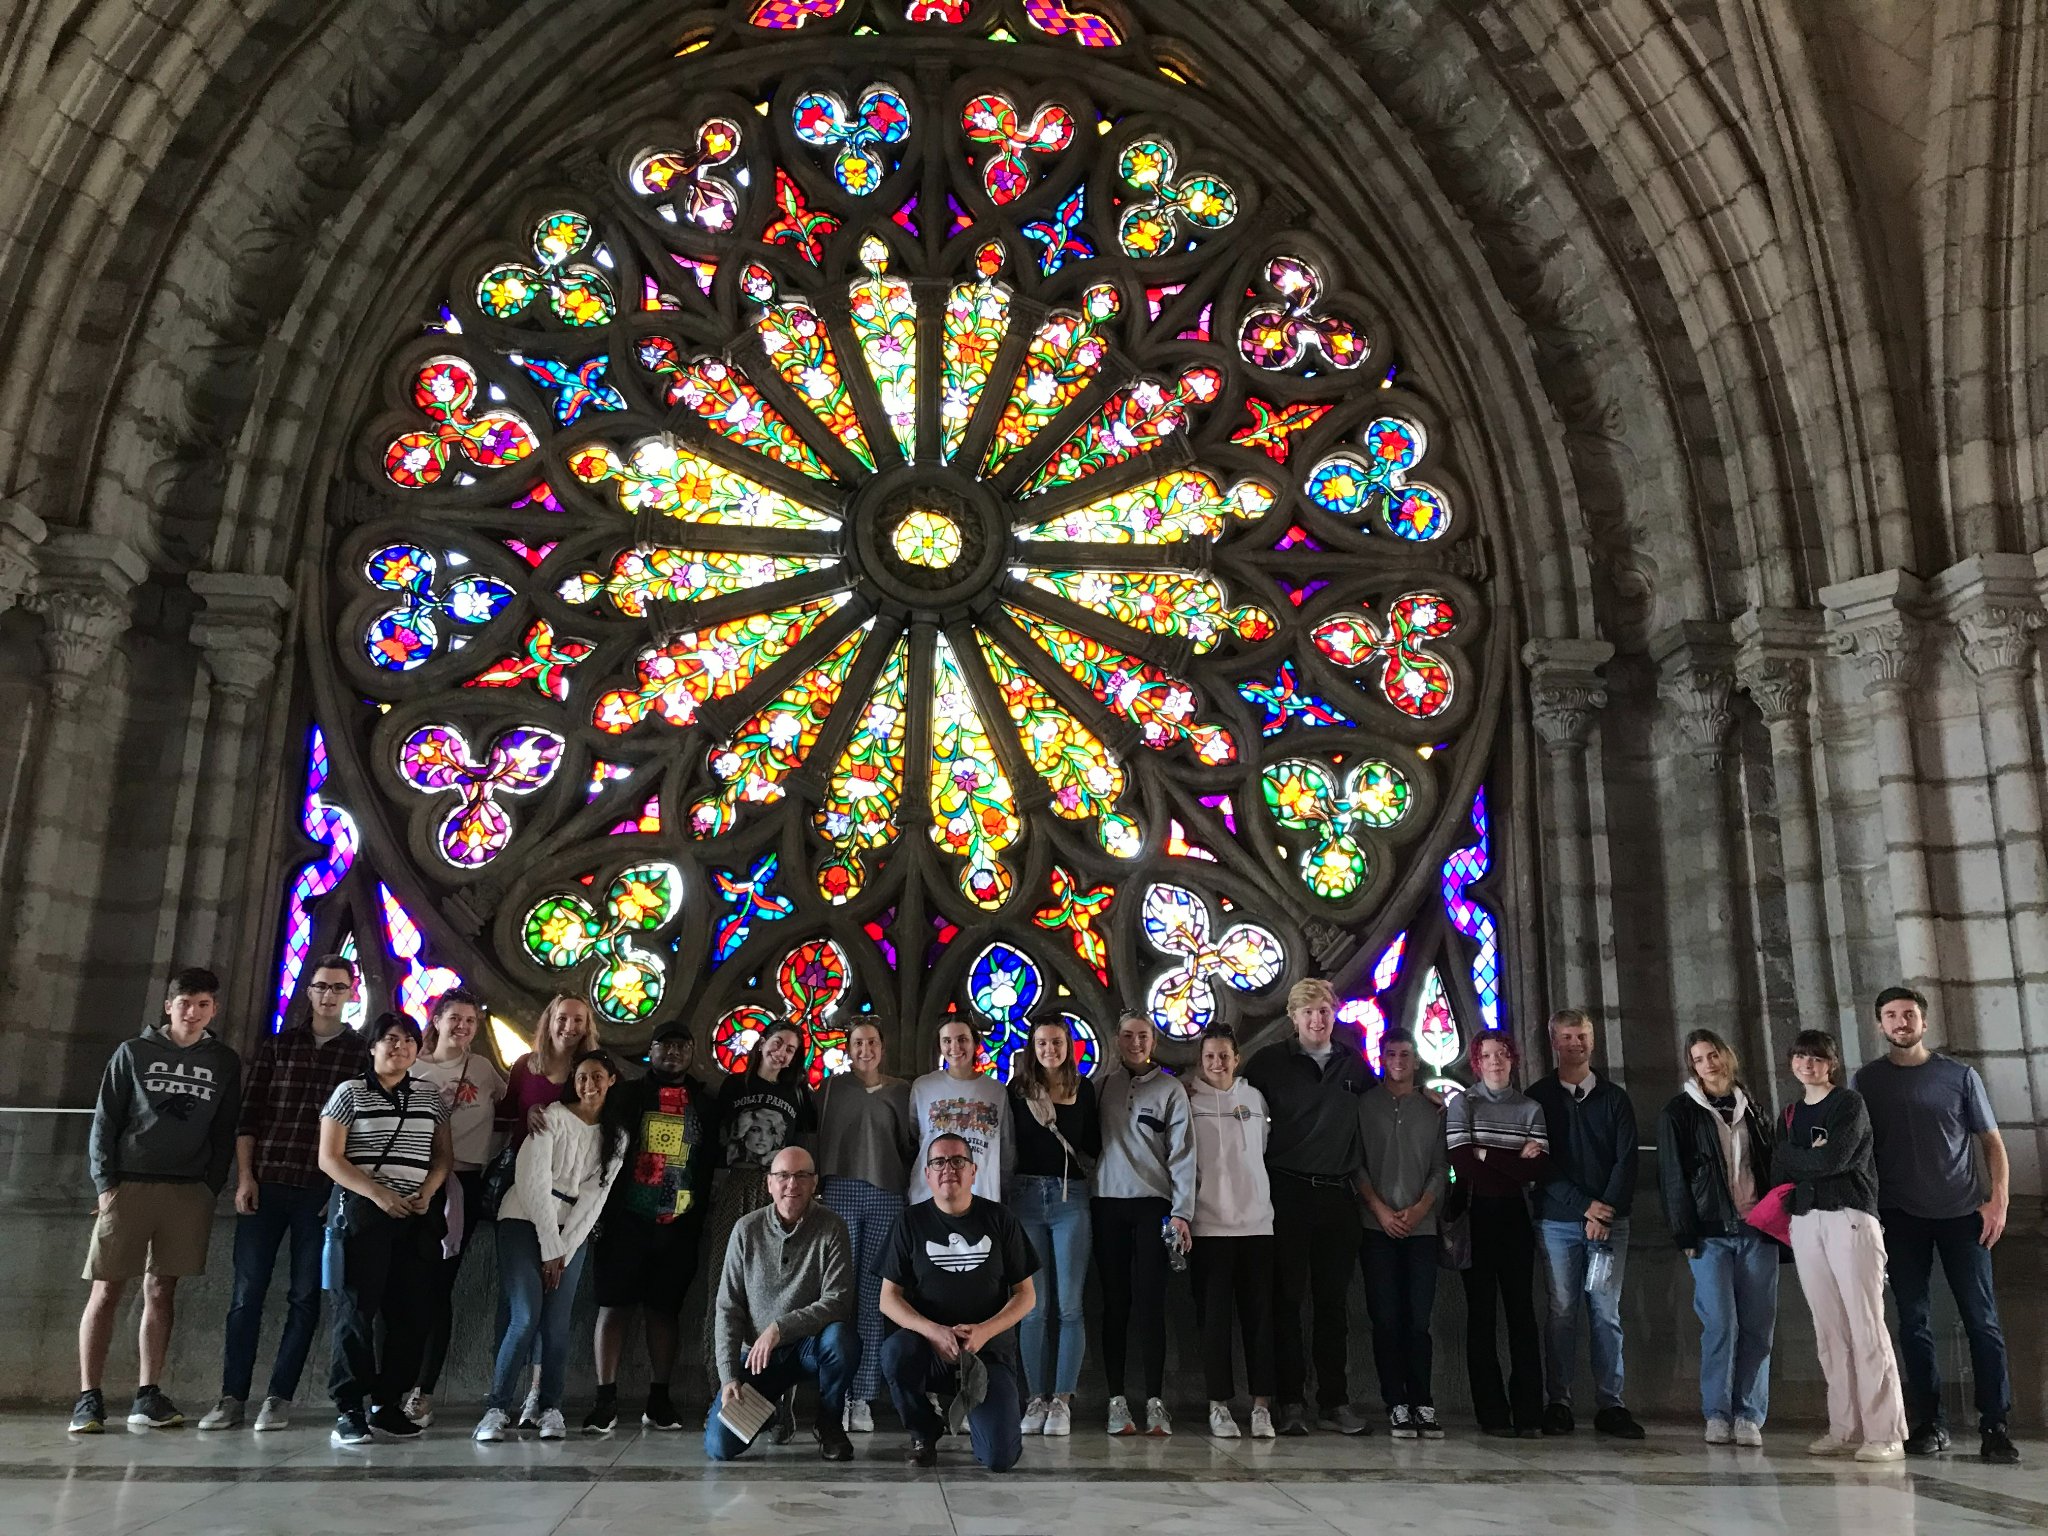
(1925, 1121)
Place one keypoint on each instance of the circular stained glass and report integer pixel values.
(909, 542)
(928, 538)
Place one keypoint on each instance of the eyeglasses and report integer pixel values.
(957, 1164)
(329, 988)
(792, 1178)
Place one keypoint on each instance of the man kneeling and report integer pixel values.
(956, 1280)
(787, 1286)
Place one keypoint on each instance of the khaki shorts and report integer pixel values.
(159, 1229)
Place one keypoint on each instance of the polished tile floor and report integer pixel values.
(182, 1483)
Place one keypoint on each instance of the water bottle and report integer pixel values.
(1600, 1270)
(1176, 1254)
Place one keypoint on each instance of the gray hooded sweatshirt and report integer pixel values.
(166, 1113)
(1148, 1139)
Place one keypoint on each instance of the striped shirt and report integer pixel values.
(390, 1132)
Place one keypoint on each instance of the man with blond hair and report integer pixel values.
(1582, 1226)
(1311, 1083)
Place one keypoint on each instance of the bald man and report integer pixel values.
(784, 1308)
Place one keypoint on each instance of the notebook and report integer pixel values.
(747, 1416)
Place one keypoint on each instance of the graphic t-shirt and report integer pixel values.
(960, 1269)
(470, 1088)
(978, 1110)
(1924, 1125)
(668, 1170)
(757, 1118)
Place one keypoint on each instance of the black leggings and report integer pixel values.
(1501, 1279)
(1234, 1277)
(440, 1298)
(1130, 1258)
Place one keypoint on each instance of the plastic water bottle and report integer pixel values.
(1176, 1254)
(1599, 1270)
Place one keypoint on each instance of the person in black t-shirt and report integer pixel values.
(956, 1280)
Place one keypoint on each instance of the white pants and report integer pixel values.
(1840, 1255)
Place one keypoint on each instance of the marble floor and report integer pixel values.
(182, 1483)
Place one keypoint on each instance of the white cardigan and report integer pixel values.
(561, 1183)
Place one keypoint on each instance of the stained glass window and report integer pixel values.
(902, 540)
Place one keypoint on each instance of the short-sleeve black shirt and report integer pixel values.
(960, 1269)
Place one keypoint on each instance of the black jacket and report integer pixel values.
(1841, 1173)
(1691, 1173)
(1592, 1149)
(1313, 1111)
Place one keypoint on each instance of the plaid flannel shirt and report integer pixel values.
(293, 1077)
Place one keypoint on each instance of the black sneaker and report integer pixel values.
(660, 1413)
(1401, 1422)
(391, 1424)
(783, 1429)
(153, 1410)
(1617, 1422)
(1997, 1447)
(351, 1427)
(833, 1444)
(1427, 1424)
(1558, 1420)
(1927, 1440)
(924, 1453)
(603, 1417)
(1293, 1419)
(89, 1417)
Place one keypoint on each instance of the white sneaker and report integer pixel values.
(1748, 1432)
(1059, 1417)
(225, 1414)
(1881, 1450)
(1221, 1424)
(276, 1413)
(1157, 1421)
(1034, 1417)
(419, 1407)
(1720, 1432)
(1120, 1420)
(860, 1418)
(529, 1411)
(552, 1426)
(1262, 1423)
(1828, 1445)
(494, 1425)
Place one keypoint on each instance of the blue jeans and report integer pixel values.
(281, 1210)
(1735, 1294)
(832, 1358)
(1566, 1250)
(535, 1315)
(1911, 1243)
(1060, 1234)
(912, 1368)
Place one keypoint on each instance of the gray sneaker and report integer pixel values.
(276, 1413)
(1345, 1420)
(225, 1414)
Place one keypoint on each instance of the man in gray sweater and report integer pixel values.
(784, 1308)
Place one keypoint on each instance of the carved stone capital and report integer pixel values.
(20, 532)
(83, 589)
(1774, 654)
(1875, 622)
(1994, 603)
(239, 629)
(1566, 689)
(1696, 682)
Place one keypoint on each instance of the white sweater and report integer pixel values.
(561, 1183)
(1232, 1195)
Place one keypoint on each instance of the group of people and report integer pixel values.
(930, 1241)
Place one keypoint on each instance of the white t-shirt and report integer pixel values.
(470, 1088)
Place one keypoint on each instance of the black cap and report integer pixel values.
(675, 1029)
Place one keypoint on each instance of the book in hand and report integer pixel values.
(748, 1414)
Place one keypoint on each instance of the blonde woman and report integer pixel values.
(1713, 1157)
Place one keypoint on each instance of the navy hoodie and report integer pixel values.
(166, 1113)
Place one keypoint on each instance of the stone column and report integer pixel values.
(20, 532)
(1566, 692)
(237, 633)
(1992, 601)
(1774, 666)
(1875, 622)
(1696, 685)
(83, 592)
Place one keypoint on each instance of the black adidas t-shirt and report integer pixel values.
(960, 1269)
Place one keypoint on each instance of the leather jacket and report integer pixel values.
(1692, 1177)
